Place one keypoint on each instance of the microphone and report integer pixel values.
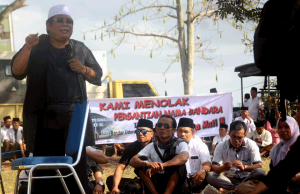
(69, 51)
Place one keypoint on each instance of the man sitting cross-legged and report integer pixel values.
(166, 171)
(15, 139)
(240, 158)
(262, 137)
(144, 134)
(199, 163)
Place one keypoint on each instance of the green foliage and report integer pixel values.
(240, 10)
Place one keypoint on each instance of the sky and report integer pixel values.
(130, 64)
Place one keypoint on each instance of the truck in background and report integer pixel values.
(12, 91)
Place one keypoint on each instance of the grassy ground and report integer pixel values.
(9, 175)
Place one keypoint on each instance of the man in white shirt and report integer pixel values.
(254, 104)
(199, 163)
(247, 120)
(221, 137)
(165, 170)
(262, 137)
(15, 138)
(7, 125)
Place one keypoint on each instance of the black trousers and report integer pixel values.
(160, 181)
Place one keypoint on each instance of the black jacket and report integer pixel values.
(35, 98)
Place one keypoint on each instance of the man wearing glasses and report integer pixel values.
(56, 68)
(164, 171)
(238, 158)
(144, 133)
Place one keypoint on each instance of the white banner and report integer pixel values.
(114, 119)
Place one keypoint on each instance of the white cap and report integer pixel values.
(59, 9)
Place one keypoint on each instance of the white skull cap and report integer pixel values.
(59, 9)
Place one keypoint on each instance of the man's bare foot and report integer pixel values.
(222, 190)
(115, 155)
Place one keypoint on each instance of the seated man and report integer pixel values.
(4, 140)
(166, 171)
(144, 134)
(95, 157)
(15, 139)
(221, 137)
(247, 120)
(240, 158)
(262, 137)
(199, 163)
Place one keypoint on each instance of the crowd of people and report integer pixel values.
(12, 137)
(165, 163)
(56, 68)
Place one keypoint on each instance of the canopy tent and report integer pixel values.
(247, 70)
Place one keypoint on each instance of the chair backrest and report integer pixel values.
(76, 134)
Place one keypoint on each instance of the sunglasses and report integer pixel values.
(62, 20)
(166, 125)
(144, 131)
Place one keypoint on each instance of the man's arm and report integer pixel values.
(249, 168)
(20, 63)
(98, 156)
(98, 177)
(178, 160)
(252, 126)
(87, 72)
(7, 145)
(268, 139)
(200, 175)
(117, 178)
(219, 169)
(136, 162)
(213, 147)
(22, 150)
(250, 135)
(94, 71)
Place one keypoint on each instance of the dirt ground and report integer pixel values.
(9, 176)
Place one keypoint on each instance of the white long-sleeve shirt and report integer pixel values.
(266, 137)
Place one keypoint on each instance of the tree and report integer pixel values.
(178, 31)
(242, 11)
(17, 4)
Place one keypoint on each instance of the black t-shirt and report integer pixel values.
(131, 150)
(62, 83)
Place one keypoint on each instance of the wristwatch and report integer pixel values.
(100, 183)
(144, 166)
